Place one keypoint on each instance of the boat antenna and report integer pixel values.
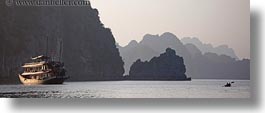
(47, 46)
(61, 50)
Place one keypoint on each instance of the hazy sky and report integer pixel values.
(212, 21)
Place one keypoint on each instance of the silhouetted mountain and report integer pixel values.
(168, 66)
(206, 48)
(198, 64)
(214, 66)
(193, 50)
(166, 40)
(134, 51)
(150, 46)
(89, 50)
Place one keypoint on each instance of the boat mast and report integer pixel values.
(3, 62)
(47, 46)
(61, 50)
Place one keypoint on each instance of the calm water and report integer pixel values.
(131, 89)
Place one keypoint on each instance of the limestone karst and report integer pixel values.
(168, 66)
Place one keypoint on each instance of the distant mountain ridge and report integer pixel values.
(205, 48)
(150, 46)
(201, 65)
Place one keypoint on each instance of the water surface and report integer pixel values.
(131, 89)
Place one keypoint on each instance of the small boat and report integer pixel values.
(43, 71)
(229, 84)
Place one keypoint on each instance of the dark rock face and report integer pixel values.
(168, 66)
(89, 50)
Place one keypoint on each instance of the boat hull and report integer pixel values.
(53, 80)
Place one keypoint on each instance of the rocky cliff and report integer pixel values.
(89, 50)
(168, 66)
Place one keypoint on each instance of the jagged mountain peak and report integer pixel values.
(133, 43)
(168, 35)
(220, 50)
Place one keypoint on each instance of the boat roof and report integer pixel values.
(34, 73)
(40, 57)
(34, 64)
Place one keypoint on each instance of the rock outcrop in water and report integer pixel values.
(89, 50)
(168, 66)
